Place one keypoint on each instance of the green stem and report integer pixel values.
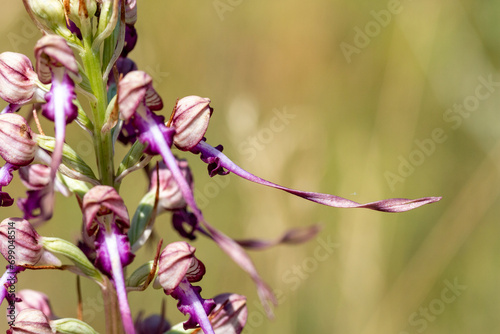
(103, 143)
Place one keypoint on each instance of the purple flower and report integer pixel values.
(56, 63)
(100, 205)
(177, 269)
(39, 204)
(105, 216)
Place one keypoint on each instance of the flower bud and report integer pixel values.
(71, 326)
(31, 321)
(170, 197)
(77, 12)
(16, 140)
(32, 299)
(230, 313)
(130, 40)
(52, 51)
(18, 81)
(35, 176)
(103, 200)
(177, 261)
(151, 325)
(136, 89)
(49, 14)
(21, 245)
(130, 12)
(190, 121)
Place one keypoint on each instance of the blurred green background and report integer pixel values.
(384, 99)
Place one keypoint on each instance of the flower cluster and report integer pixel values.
(84, 50)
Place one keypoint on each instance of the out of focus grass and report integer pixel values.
(354, 122)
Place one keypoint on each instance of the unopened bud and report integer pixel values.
(153, 324)
(49, 14)
(136, 89)
(18, 80)
(190, 121)
(177, 261)
(71, 326)
(31, 321)
(170, 195)
(130, 11)
(16, 140)
(21, 245)
(79, 10)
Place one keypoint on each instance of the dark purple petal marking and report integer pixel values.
(5, 179)
(210, 153)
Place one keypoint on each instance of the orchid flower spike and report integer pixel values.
(178, 268)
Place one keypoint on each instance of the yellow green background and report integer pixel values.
(354, 121)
